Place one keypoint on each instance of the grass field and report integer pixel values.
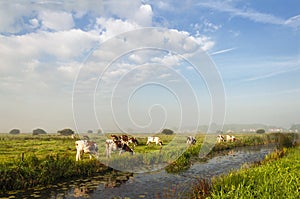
(51, 158)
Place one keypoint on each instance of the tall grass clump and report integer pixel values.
(185, 160)
(278, 178)
(34, 171)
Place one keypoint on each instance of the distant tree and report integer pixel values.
(66, 132)
(260, 131)
(38, 132)
(89, 131)
(15, 131)
(167, 132)
(99, 131)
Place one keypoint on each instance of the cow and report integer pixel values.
(115, 137)
(116, 145)
(190, 140)
(230, 138)
(85, 146)
(220, 138)
(124, 139)
(133, 140)
(154, 139)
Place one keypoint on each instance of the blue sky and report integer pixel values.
(54, 52)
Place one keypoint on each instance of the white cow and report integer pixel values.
(154, 139)
(220, 138)
(84, 146)
(230, 138)
(116, 145)
(190, 140)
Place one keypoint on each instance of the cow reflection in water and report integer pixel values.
(115, 182)
(81, 191)
(84, 189)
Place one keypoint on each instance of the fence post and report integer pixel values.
(22, 158)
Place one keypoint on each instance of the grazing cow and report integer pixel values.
(84, 146)
(114, 137)
(115, 145)
(124, 139)
(133, 140)
(190, 140)
(230, 138)
(154, 139)
(220, 138)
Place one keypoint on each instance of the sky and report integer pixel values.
(141, 66)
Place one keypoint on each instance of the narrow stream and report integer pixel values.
(158, 184)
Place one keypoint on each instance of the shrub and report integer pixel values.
(167, 132)
(66, 132)
(38, 132)
(284, 140)
(260, 131)
(15, 131)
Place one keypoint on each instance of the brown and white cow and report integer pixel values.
(114, 137)
(230, 138)
(116, 145)
(133, 140)
(124, 139)
(85, 146)
(155, 140)
(220, 138)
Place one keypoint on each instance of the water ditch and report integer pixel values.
(156, 184)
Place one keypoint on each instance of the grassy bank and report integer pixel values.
(34, 171)
(185, 160)
(275, 177)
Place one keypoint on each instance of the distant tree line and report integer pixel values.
(40, 131)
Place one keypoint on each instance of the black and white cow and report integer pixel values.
(85, 146)
(190, 140)
(116, 145)
(155, 140)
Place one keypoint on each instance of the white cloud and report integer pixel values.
(34, 23)
(253, 15)
(205, 42)
(143, 16)
(206, 26)
(226, 6)
(56, 20)
(112, 27)
(11, 14)
(293, 21)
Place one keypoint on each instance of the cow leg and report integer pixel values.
(78, 155)
(107, 153)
